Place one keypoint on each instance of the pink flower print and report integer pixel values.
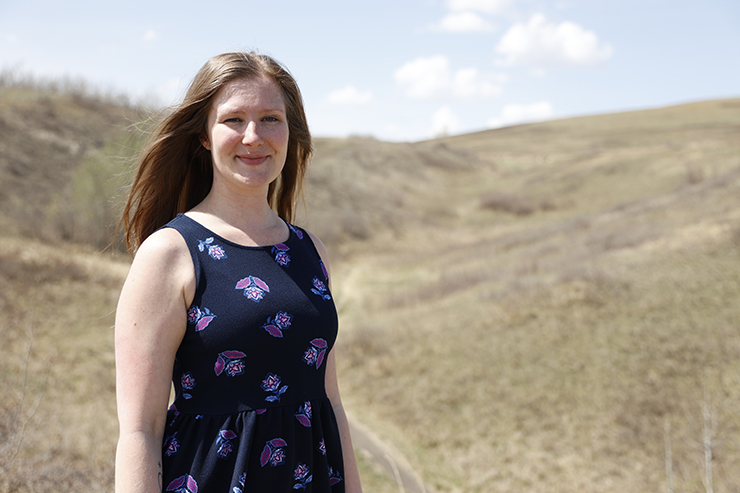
(281, 254)
(193, 314)
(273, 453)
(297, 231)
(323, 270)
(254, 288)
(276, 325)
(175, 413)
(315, 354)
(171, 445)
(188, 383)
(334, 476)
(187, 380)
(271, 383)
(260, 411)
(304, 414)
(215, 251)
(183, 484)
(322, 447)
(319, 288)
(231, 362)
(201, 317)
(224, 443)
(242, 480)
(301, 474)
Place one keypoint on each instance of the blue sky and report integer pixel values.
(403, 69)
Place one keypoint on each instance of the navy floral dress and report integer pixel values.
(251, 412)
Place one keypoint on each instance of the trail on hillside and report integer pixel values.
(392, 462)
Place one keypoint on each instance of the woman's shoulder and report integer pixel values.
(320, 247)
(166, 245)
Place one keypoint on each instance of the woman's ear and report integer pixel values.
(204, 142)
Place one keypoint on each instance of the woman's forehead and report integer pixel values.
(254, 91)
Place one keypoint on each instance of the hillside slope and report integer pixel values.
(547, 307)
(571, 312)
(62, 163)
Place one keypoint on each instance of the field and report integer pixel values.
(549, 307)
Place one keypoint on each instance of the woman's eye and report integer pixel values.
(232, 120)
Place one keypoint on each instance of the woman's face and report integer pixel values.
(247, 134)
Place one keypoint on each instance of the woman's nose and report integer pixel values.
(251, 134)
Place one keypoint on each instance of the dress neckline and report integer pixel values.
(239, 245)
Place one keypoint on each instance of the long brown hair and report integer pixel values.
(175, 171)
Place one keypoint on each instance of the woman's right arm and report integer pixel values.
(150, 323)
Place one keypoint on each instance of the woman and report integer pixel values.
(228, 300)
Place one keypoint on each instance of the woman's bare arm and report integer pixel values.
(351, 474)
(150, 324)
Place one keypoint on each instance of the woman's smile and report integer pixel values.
(247, 134)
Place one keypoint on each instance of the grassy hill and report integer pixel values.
(546, 307)
(571, 314)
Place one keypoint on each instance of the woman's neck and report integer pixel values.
(244, 219)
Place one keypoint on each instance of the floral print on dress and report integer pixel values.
(277, 324)
(201, 317)
(230, 362)
(242, 480)
(271, 383)
(215, 251)
(254, 288)
(175, 414)
(322, 447)
(183, 484)
(315, 354)
(301, 474)
(281, 254)
(304, 414)
(334, 476)
(224, 443)
(319, 288)
(324, 271)
(273, 452)
(171, 444)
(188, 383)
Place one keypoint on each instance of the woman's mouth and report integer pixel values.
(253, 159)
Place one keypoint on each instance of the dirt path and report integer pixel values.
(392, 462)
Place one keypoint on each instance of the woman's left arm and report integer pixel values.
(351, 474)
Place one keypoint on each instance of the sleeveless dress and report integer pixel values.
(250, 412)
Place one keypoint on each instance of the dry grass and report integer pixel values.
(559, 350)
(63, 158)
(548, 352)
(58, 426)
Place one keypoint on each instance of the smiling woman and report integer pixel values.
(247, 135)
(228, 301)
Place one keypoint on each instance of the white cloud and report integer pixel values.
(467, 83)
(150, 35)
(463, 22)
(11, 38)
(485, 6)
(512, 114)
(349, 95)
(444, 121)
(426, 78)
(542, 43)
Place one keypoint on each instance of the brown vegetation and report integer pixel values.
(589, 343)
